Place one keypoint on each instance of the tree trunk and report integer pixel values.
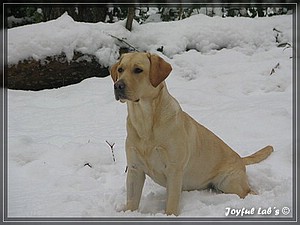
(130, 16)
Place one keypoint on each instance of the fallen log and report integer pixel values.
(53, 72)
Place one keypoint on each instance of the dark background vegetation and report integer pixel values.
(19, 14)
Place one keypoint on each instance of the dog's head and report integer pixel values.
(137, 76)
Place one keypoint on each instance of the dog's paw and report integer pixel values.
(172, 212)
(124, 208)
(121, 208)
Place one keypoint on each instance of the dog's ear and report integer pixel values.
(159, 69)
(113, 71)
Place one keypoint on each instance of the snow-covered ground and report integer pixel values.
(59, 162)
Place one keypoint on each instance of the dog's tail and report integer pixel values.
(258, 156)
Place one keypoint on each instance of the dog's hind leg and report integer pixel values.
(235, 183)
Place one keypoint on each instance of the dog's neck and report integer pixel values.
(148, 113)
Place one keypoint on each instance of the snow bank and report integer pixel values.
(60, 164)
(205, 34)
(64, 35)
(196, 32)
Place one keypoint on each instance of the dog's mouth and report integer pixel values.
(123, 98)
(120, 95)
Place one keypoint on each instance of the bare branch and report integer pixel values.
(273, 69)
(122, 40)
(87, 164)
(112, 150)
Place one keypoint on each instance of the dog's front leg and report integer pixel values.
(135, 182)
(174, 187)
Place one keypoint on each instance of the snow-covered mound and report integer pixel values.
(59, 162)
(197, 32)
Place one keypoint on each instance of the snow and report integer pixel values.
(59, 162)
(212, 33)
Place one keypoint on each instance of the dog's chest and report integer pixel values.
(153, 161)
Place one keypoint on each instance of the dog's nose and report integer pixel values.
(119, 85)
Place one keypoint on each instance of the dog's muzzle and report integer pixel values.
(119, 87)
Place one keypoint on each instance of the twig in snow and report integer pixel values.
(285, 45)
(112, 150)
(122, 40)
(273, 69)
(278, 31)
(288, 45)
(87, 164)
(277, 34)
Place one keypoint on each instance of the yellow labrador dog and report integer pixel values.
(167, 144)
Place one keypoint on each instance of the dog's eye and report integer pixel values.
(120, 70)
(138, 70)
